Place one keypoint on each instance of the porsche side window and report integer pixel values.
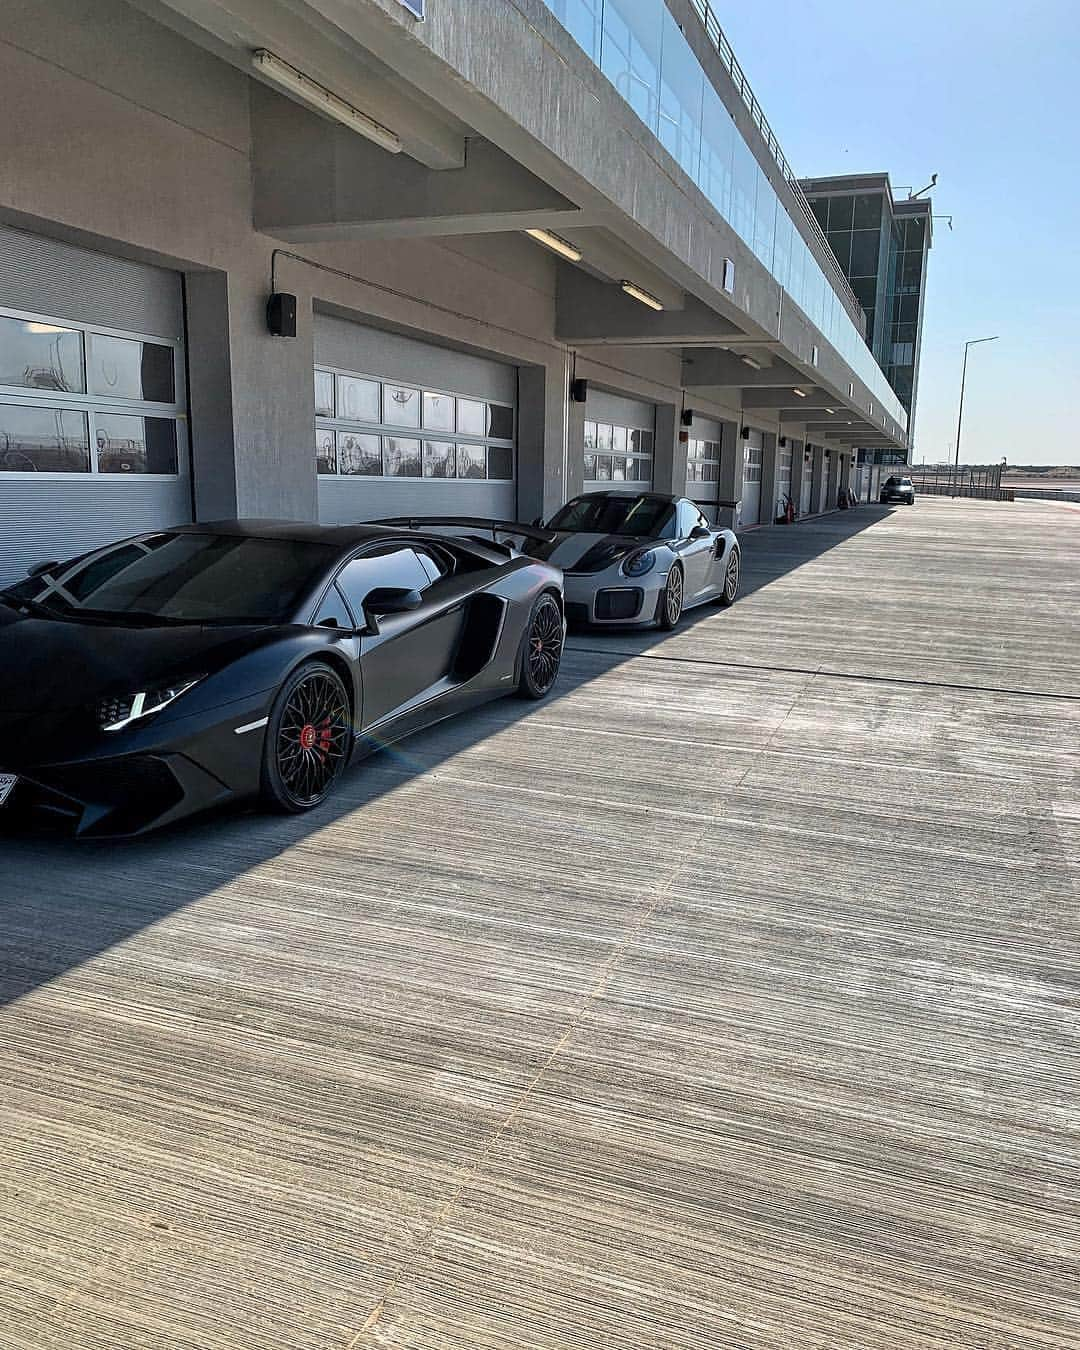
(686, 519)
(403, 568)
(333, 612)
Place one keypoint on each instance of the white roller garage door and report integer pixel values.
(93, 432)
(703, 465)
(753, 452)
(619, 437)
(403, 426)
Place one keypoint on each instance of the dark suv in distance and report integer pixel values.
(898, 490)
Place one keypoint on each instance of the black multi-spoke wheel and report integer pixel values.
(308, 739)
(671, 602)
(731, 579)
(542, 653)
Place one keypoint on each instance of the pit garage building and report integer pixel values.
(534, 249)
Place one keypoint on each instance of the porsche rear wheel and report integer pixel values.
(541, 654)
(308, 738)
(731, 578)
(671, 602)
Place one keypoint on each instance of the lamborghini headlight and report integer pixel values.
(114, 714)
(638, 564)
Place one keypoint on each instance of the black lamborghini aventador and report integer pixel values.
(175, 671)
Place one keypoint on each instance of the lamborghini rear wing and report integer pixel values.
(496, 527)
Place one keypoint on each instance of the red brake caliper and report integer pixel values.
(316, 737)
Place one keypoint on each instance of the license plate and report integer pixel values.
(7, 782)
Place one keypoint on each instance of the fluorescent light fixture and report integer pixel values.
(45, 328)
(800, 392)
(321, 100)
(749, 361)
(639, 294)
(556, 243)
(831, 411)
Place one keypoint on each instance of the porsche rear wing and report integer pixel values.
(471, 523)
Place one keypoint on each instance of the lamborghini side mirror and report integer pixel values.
(392, 600)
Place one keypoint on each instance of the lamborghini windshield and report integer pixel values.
(181, 578)
(643, 517)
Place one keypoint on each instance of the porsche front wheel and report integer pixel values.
(671, 601)
(541, 654)
(308, 738)
(731, 578)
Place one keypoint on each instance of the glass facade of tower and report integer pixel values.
(882, 247)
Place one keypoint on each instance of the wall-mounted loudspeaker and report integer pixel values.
(746, 433)
(687, 417)
(579, 391)
(281, 314)
(782, 442)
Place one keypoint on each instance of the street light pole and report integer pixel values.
(974, 342)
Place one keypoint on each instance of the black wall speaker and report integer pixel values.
(687, 417)
(579, 391)
(746, 433)
(782, 442)
(281, 314)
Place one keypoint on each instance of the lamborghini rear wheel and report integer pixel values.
(541, 654)
(308, 738)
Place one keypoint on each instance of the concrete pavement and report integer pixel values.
(728, 999)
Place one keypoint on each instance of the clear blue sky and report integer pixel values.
(987, 95)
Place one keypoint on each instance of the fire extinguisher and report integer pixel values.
(789, 511)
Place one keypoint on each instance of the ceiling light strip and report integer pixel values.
(322, 100)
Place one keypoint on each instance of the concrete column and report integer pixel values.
(797, 448)
(252, 400)
(273, 400)
(731, 466)
(768, 479)
(817, 492)
(543, 426)
(575, 450)
(210, 403)
(797, 451)
(669, 455)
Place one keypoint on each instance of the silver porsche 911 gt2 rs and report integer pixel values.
(638, 558)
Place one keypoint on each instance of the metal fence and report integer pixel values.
(963, 480)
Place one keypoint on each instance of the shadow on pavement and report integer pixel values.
(63, 903)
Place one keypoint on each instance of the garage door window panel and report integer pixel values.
(326, 451)
(488, 454)
(128, 368)
(438, 412)
(633, 467)
(324, 394)
(128, 444)
(43, 440)
(359, 400)
(40, 355)
(401, 457)
(401, 405)
(89, 402)
(440, 459)
(360, 453)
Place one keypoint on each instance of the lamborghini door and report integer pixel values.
(406, 657)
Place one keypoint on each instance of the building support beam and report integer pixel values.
(787, 403)
(726, 370)
(317, 182)
(590, 312)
